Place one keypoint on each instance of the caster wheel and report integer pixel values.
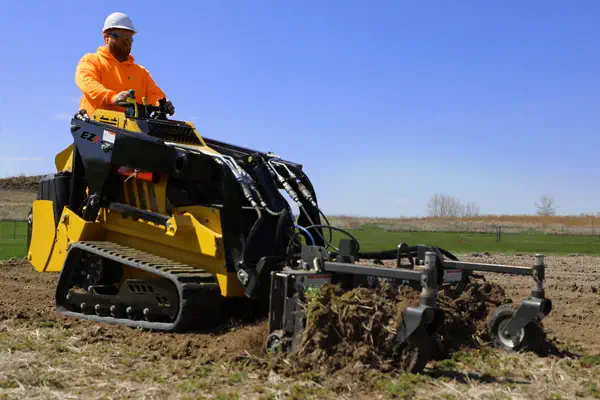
(530, 338)
(276, 342)
(414, 354)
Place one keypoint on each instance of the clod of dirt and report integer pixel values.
(97, 333)
(466, 313)
(354, 328)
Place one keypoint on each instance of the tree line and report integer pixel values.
(440, 205)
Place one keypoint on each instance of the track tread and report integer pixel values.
(198, 290)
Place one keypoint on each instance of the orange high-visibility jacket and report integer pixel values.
(100, 76)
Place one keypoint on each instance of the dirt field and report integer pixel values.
(46, 356)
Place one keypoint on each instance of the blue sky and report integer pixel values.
(384, 102)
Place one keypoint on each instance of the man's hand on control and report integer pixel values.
(170, 107)
(122, 96)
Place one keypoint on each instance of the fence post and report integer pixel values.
(15, 230)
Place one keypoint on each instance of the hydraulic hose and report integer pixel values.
(392, 254)
(307, 233)
(294, 195)
(249, 189)
(323, 226)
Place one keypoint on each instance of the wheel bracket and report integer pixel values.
(528, 311)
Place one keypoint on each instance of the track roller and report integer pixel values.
(96, 283)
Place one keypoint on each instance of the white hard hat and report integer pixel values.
(118, 20)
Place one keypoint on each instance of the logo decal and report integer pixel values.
(92, 137)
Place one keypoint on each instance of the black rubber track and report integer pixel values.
(199, 293)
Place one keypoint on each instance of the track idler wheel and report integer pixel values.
(529, 338)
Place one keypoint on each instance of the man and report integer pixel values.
(106, 76)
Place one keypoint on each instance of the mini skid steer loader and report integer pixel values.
(149, 224)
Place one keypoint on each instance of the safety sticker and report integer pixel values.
(108, 136)
(316, 280)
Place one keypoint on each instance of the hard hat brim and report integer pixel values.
(119, 27)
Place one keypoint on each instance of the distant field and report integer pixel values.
(372, 238)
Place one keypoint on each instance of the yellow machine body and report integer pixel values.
(193, 235)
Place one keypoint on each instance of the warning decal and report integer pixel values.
(108, 136)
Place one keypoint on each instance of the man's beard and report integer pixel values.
(122, 52)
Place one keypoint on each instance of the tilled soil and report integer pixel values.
(573, 285)
(229, 361)
(29, 296)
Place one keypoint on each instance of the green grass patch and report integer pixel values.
(404, 387)
(374, 238)
(13, 230)
(13, 239)
(12, 248)
(591, 361)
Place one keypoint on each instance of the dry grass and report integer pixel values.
(21, 183)
(44, 360)
(45, 356)
(15, 204)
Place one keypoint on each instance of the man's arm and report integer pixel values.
(87, 78)
(153, 92)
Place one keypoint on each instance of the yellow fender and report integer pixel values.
(43, 234)
(64, 159)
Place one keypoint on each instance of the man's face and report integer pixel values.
(119, 42)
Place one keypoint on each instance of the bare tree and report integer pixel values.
(444, 206)
(546, 205)
(471, 210)
(449, 206)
